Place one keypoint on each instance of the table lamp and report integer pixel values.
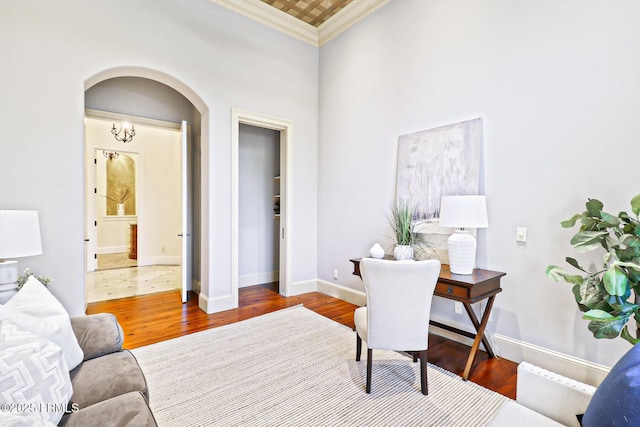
(463, 212)
(19, 237)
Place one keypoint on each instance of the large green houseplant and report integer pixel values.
(608, 296)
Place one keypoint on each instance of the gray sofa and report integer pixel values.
(109, 387)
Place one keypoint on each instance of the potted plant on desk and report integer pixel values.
(402, 223)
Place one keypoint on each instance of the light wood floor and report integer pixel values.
(152, 318)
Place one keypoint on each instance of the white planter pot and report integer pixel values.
(403, 252)
(120, 208)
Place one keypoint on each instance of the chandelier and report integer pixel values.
(111, 154)
(128, 134)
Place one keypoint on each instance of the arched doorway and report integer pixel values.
(120, 98)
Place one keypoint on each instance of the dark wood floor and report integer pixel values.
(157, 317)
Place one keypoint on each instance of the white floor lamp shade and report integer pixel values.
(19, 237)
(463, 212)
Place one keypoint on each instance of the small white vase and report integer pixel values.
(120, 208)
(376, 251)
(403, 252)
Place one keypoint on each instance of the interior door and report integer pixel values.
(90, 225)
(185, 232)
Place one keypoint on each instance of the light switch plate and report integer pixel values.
(521, 234)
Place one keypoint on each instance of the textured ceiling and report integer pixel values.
(313, 12)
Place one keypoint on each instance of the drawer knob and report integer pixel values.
(449, 290)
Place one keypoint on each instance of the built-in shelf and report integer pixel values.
(276, 200)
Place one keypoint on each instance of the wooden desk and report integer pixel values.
(467, 289)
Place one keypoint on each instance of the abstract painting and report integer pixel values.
(442, 161)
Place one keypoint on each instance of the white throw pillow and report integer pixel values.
(36, 310)
(10, 420)
(34, 378)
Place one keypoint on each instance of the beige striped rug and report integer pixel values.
(294, 367)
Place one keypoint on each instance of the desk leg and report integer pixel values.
(480, 327)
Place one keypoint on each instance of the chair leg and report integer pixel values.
(423, 372)
(358, 347)
(369, 366)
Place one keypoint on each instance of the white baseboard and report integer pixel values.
(112, 249)
(258, 278)
(505, 347)
(159, 260)
(303, 287)
(216, 304)
(564, 364)
(350, 295)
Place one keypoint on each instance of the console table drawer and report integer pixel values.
(448, 290)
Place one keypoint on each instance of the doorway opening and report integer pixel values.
(134, 205)
(277, 189)
(259, 206)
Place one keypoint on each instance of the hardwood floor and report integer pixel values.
(148, 319)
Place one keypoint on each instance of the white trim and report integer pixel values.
(345, 18)
(287, 24)
(257, 279)
(100, 114)
(286, 193)
(303, 287)
(216, 304)
(274, 18)
(563, 364)
(160, 260)
(344, 293)
(102, 250)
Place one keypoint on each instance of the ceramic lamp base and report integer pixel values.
(462, 252)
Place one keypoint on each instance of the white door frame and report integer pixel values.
(286, 192)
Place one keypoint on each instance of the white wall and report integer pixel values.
(259, 163)
(556, 84)
(52, 53)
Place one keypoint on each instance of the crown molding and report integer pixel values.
(281, 21)
(345, 18)
(274, 18)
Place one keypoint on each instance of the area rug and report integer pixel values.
(294, 367)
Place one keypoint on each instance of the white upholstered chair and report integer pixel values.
(396, 317)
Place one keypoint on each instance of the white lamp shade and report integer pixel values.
(463, 212)
(19, 234)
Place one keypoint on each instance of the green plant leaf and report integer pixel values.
(606, 329)
(557, 274)
(627, 336)
(627, 264)
(605, 325)
(598, 315)
(635, 204)
(615, 281)
(591, 295)
(594, 207)
(575, 264)
(609, 220)
(585, 241)
(570, 222)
